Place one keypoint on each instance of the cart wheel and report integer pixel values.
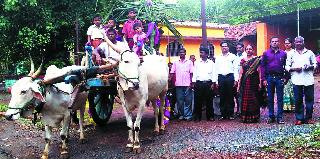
(100, 106)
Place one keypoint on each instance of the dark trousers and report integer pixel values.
(236, 96)
(203, 95)
(226, 95)
(308, 92)
(275, 83)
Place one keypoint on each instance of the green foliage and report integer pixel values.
(302, 145)
(147, 10)
(28, 123)
(237, 11)
(57, 62)
(3, 107)
(41, 28)
(23, 67)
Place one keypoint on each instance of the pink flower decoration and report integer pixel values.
(149, 3)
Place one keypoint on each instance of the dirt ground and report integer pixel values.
(183, 139)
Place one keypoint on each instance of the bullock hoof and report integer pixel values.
(82, 141)
(128, 149)
(137, 150)
(64, 155)
(162, 132)
(44, 156)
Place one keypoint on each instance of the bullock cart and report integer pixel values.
(101, 90)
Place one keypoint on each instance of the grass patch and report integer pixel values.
(300, 146)
(3, 107)
(27, 123)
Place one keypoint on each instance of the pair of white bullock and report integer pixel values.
(137, 84)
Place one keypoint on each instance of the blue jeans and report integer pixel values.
(308, 92)
(184, 101)
(275, 84)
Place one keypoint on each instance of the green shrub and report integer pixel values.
(302, 145)
(3, 107)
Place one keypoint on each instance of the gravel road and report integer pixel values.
(182, 139)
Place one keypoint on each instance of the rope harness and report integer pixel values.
(123, 76)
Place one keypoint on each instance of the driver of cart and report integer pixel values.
(104, 53)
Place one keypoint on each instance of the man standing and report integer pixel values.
(273, 76)
(241, 54)
(204, 80)
(182, 70)
(228, 75)
(301, 64)
(193, 59)
(104, 52)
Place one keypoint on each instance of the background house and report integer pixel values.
(285, 25)
(191, 38)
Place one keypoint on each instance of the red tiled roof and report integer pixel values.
(241, 30)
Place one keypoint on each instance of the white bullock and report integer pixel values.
(26, 93)
(139, 83)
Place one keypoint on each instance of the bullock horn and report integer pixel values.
(32, 66)
(37, 73)
(53, 80)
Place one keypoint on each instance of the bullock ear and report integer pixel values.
(37, 93)
(39, 96)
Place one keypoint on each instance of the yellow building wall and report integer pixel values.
(192, 48)
(191, 45)
(195, 31)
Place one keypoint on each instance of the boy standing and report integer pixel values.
(139, 39)
(128, 27)
(95, 32)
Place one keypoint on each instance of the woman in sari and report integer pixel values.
(288, 100)
(249, 88)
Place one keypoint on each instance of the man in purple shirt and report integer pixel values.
(182, 70)
(273, 76)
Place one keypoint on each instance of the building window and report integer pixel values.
(173, 48)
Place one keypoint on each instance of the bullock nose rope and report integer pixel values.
(128, 79)
(21, 109)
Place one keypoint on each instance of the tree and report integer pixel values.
(237, 11)
(41, 28)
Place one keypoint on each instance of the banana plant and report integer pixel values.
(147, 10)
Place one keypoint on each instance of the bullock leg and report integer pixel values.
(156, 114)
(82, 139)
(128, 116)
(136, 143)
(64, 134)
(161, 111)
(48, 135)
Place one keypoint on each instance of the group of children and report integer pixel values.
(132, 32)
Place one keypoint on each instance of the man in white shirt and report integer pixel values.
(241, 54)
(204, 79)
(301, 64)
(228, 75)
